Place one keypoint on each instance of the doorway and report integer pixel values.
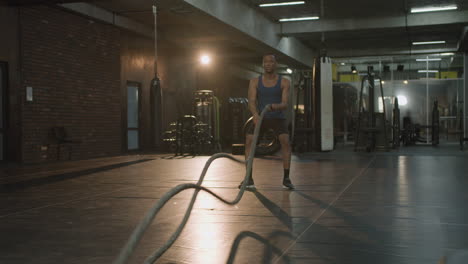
(133, 115)
(3, 108)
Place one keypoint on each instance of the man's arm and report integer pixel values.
(285, 84)
(252, 96)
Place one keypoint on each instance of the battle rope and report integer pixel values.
(139, 231)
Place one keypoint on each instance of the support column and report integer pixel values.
(465, 94)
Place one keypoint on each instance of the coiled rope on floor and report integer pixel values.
(139, 231)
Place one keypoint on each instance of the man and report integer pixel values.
(270, 89)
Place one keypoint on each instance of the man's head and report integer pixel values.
(269, 63)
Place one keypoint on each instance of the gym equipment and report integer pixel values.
(238, 112)
(188, 135)
(169, 137)
(268, 142)
(371, 126)
(345, 101)
(139, 231)
(206, 110)
(303, 118)
(461, 131)
(217, 129)
(435, 124)
(203, 108)
(411, 133)
(185, 136)
(396, 125)
(408, 135)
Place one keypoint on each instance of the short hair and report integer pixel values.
(270, 54)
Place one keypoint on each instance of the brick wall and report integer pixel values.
(73, 65)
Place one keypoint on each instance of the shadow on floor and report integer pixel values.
(315, 237)
(371, 231)
(269, 248)
(11, 187)
(277, 211)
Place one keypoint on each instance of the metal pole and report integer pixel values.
(391, 70)
(155, 40)
(465, 75)
(371, 98)
(427, 99)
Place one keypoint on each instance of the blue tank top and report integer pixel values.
(269, 95)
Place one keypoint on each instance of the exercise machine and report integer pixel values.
(411, 133)
(371, 126)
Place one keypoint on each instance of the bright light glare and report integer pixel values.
(405, 81)
(435, 59)
(298, 19)
(288, 70)
(282, 4)
(205, 59)
(429, 42)
(433, 8)
(402, 100)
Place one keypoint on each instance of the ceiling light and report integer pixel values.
(405, 81)
(428, 71)
(429, 42)
(282, 4)
(298, 19)
(433, 8)
(447, 54)
(288, 70)
(353, 69)
(343, 64)
(205, 59)
(383, 82)
(435, 59)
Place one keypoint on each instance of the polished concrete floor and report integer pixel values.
(401, 207)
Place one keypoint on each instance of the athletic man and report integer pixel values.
(270, 89)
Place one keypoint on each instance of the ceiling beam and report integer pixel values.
(40, 2)
(255, 25)
(463, 43)
(414, 20)
(346, 53)
(109, 17)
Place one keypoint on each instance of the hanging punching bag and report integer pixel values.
(156, 96)
(323, 104)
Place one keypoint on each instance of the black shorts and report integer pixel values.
(279, 126)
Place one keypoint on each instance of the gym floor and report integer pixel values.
(405, 206)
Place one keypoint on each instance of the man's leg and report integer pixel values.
(286, 153)
(285, 150)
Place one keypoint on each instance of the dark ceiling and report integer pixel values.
(340, 9)
(191, 28)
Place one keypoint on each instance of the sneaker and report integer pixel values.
(250, 185)
(288, 184)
